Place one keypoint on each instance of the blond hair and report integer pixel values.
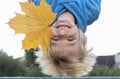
(66, 66)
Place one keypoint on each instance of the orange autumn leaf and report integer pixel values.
(35, 23)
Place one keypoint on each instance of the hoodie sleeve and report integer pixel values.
(85, 11)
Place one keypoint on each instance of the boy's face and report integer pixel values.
(65, 39)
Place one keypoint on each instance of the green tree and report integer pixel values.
(34, 71)
(105, 71)
(32, 68)
(30, 57)
(10, 66)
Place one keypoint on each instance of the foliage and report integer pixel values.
(32, 68)
(30, 57)
(10, 66)
(105, 71)
(33, 71)
(35, 23)
(17, 67)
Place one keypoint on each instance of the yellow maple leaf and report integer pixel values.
(35, 24)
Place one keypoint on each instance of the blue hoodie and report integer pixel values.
(85, 11)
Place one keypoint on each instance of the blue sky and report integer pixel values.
(103, 34)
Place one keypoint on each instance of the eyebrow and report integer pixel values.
(70, 43)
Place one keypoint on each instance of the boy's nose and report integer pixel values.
(62, 31)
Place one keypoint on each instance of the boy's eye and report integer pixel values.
(70, 39)
(55, 39)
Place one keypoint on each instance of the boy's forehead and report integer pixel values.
(68, 48)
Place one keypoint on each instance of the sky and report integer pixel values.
(103, 35)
